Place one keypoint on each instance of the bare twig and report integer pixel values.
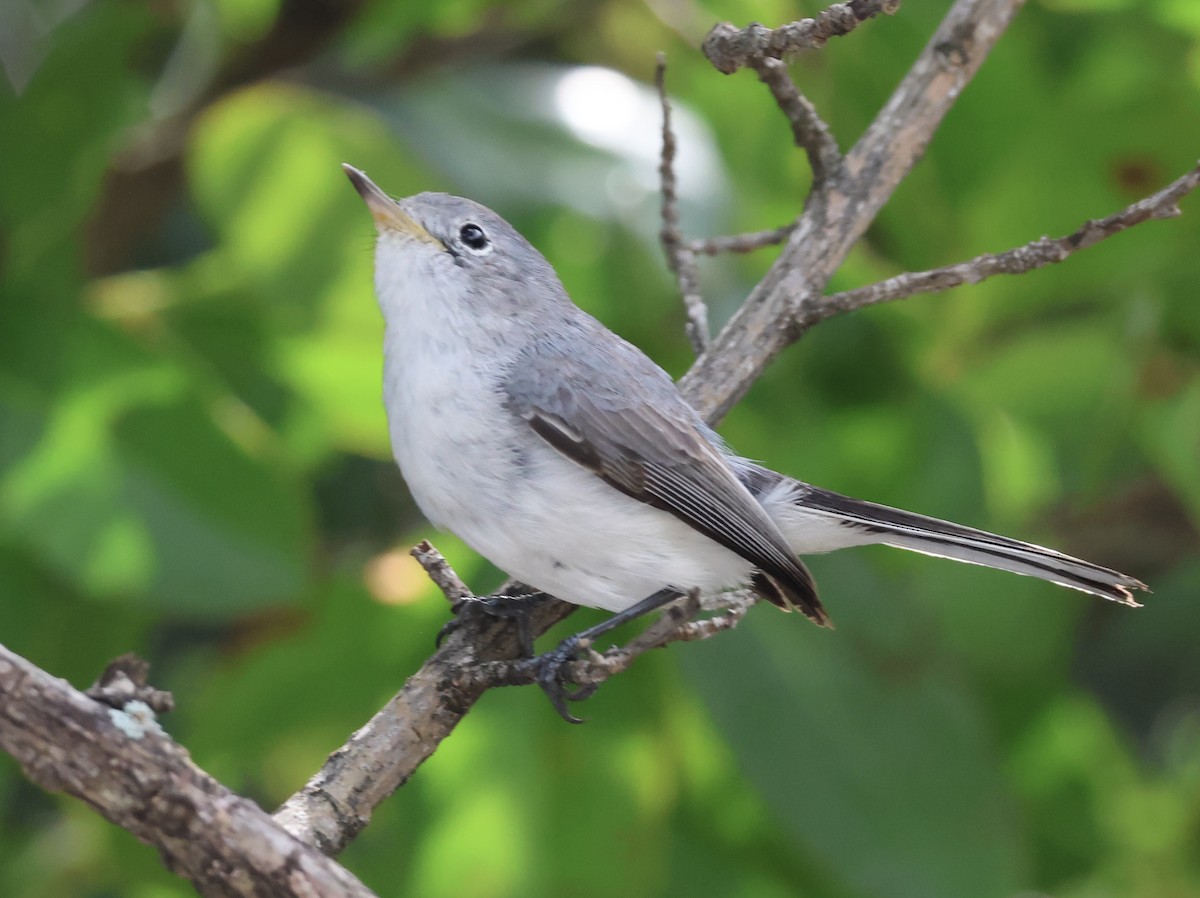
(597, 667)
(443, 576)
(675, 624)
(741, 243)
(680, 257)
(1037, 254)
(729, 618)
(809, 130)
(729, 48)
(121, 763)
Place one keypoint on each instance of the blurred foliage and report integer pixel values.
(193, 458)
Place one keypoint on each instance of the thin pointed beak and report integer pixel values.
(386, 211)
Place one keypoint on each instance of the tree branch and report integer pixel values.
(481, 653)
(681, 258)
(676, 623)
(809, 130)
(337, 802)
(729, 48)
(742, 243)
(1033, 255)
(839, 211)
(439, 571)
(121, 762)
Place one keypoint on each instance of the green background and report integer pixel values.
(194, 462)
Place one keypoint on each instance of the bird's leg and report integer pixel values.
(512, 603)
(551, 666)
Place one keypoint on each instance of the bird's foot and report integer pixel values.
(516, 608)
(553, 675)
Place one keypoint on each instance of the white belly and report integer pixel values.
(477, 471)
(570, 534)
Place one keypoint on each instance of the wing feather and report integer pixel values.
(652, 446)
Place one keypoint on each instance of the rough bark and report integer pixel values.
(122, 763)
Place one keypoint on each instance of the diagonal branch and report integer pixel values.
(335, 805)
(1037, 254)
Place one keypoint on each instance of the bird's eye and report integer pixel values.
(474, 238)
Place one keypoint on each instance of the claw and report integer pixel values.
(447, 628)
(550, 665)
(551, 677)
(515, 608)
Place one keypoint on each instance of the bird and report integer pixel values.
(569, 459)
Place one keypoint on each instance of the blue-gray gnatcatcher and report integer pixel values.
(569, 459)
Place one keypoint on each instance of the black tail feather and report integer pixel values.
(931, 536)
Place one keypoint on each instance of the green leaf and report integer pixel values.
(879, 762)
(228, 532)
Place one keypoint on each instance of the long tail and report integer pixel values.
(818, 520)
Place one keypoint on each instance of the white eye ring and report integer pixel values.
(474, 239)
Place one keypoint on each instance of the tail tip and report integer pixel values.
(1123, 592)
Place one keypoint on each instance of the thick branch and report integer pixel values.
(729, 48)
(1037, 254)
(839, 211)
(122, 763)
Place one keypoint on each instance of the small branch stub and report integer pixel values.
(439, 571)
(125, 681)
